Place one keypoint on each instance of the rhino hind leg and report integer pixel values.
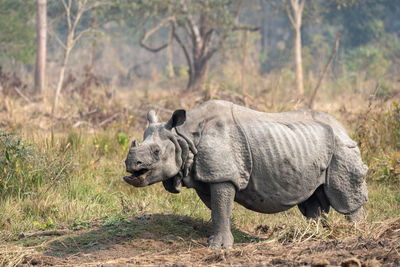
(315, 204)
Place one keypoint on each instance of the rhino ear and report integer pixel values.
(152, 117)
(177, 119)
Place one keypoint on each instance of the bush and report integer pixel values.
(378, 136)
(23, 169)
(370, 58)
(389, 168)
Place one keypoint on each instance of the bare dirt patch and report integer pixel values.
(172, 240)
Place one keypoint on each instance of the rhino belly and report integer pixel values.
(289, 160)
(262, 196)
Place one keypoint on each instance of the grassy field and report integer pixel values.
(71, 179)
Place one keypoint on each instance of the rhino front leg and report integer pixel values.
(222, 197)
(206, 198)
(357, 216)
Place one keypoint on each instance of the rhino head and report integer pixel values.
(158, 157)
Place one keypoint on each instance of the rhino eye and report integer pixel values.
(139, 163)
(156, 152)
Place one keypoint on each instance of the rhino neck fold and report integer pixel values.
(189, 142)
(187, 153)
(187, 157)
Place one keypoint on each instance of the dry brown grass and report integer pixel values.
(89, 129)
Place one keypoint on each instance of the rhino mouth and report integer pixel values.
(139, 172)
(137, 177)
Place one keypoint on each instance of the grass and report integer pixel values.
(93, 188)
(73, 180)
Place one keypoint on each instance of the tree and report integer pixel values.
(200, 28)
(363, 21)
(17, 32)
(74, 11)
(295, 13)
(41, 34)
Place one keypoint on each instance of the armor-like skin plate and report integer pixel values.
(267, 162)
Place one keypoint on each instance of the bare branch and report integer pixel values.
(195, 33)
(109, 119)
(58, 40)
(79, 14)
(245, 28)
(96, 5)
(187, 29)
(289, 14)
(79, 35)
(193, 27)
(184, 48)
(206, 40)
(21, 94)
(237, 11)
(302, 6)
(65, 4)
(45, 233)
(67, 8)
(153, 31)
(216, 47)
(334, 50)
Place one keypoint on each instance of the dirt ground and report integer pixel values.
(172, 240)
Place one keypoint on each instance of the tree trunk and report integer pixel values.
(60, 79)
(41, 34)
(171, 73)
(244, 63)
(263, 29)
(295, 16)
(199, 74)
(298, 62)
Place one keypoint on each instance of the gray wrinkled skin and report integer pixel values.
(267, 162)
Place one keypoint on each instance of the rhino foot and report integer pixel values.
(218, 241)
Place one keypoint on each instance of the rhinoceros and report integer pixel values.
(267, 162)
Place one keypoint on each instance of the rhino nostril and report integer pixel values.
(139, 163)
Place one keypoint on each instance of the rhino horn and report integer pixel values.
(152, 117)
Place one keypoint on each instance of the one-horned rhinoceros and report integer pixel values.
(267, 162)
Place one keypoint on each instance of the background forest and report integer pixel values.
(77, 78)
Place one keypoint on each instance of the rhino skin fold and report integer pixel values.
(267, 162)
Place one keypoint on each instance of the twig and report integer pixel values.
(335, 48)
(153, 31)
(79, 123)
(109, 119)
(45, 233)
(22, 95)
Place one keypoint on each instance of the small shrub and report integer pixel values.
(389, 169)
(47, 225)
(24, 169)
(385, 90)
(378, 136)
(370, 58)
(15, 158)
(122, 139)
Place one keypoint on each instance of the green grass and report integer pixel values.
(81, 183)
